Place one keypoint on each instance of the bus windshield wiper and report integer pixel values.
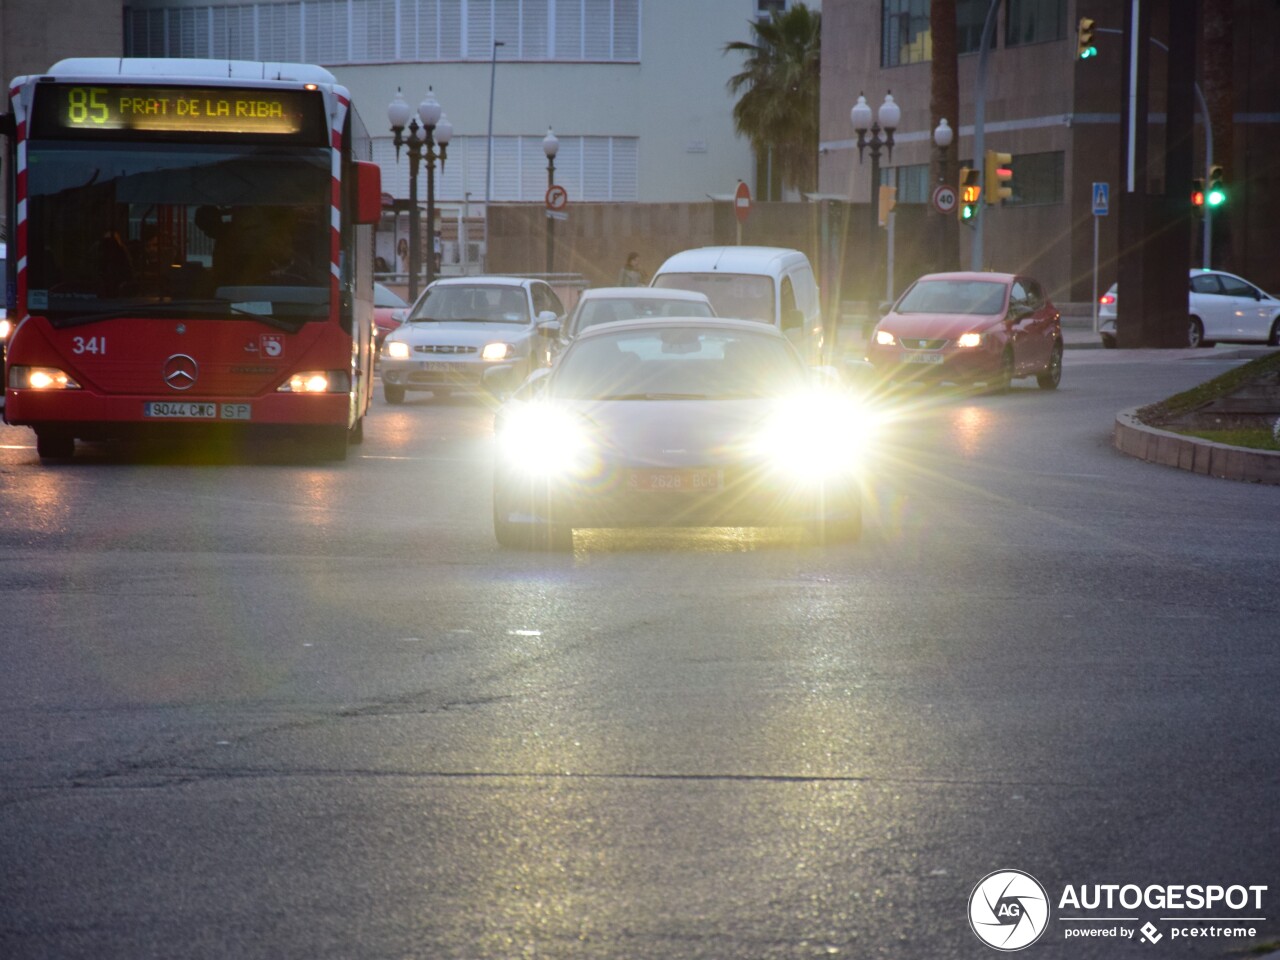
(181, 306)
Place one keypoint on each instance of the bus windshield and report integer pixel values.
(178, 230)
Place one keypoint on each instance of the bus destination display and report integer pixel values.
(65, 110)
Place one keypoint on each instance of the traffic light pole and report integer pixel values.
(979, 138)
(1207, 223)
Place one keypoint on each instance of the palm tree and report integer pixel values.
(944, 103)
(778, 111)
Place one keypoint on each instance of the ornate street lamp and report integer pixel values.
(945, 259)
(420, 148)
(550, 146)
(886, 122)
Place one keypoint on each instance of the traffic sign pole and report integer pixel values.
(741, 206)
(1101, 207)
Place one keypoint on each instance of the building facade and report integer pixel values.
(34, 34)
(635, 90)
(1059, 118)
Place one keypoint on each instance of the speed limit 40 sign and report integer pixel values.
(944, 198)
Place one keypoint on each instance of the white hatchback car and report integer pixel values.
(461, 326)
(609, 304)
(1221, 306)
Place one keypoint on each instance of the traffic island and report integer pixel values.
(1187, 430)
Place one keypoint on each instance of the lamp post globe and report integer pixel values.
(429, 109)
(398, 111)
(860, 115)
(943, 134)
(889, 113)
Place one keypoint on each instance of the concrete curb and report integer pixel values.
(1133, 437)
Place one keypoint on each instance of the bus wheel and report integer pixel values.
(53, 445)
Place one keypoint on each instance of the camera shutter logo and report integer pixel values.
(1008, 910)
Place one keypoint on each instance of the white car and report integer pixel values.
(1221, 306)
(774, 285)
(461, 326)
(609, 304)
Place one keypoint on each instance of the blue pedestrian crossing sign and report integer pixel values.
(1101, 199)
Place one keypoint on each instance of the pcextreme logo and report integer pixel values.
(1009, 910)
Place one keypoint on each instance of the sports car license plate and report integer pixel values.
(185, 410)
(924, 358)
(676, 481)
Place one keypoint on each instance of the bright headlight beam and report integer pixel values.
(969, 340)
(397, 350)
(544, 439)
(816, 435)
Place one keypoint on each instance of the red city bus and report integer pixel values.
(191, 251)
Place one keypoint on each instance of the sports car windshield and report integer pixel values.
(978, 297)
(475, 303)
(678, 363)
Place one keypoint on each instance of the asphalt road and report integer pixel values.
(276, 710)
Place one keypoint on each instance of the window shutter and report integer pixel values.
(568, 29)
(626, 30)
(598, 30)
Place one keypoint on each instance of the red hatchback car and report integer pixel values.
(970, 328)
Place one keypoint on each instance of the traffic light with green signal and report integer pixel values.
(1085, 47)
(970, 193)
(1216, 194)
(999, 176)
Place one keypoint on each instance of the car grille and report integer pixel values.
(443, 348)
(913, 344)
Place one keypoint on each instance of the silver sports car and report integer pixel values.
(677, 422)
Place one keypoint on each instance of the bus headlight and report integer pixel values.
(6, 327)
(317, 381)
(40, 378)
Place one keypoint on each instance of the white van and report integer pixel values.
(770, 284)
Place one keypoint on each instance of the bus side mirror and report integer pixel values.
(368, 192)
